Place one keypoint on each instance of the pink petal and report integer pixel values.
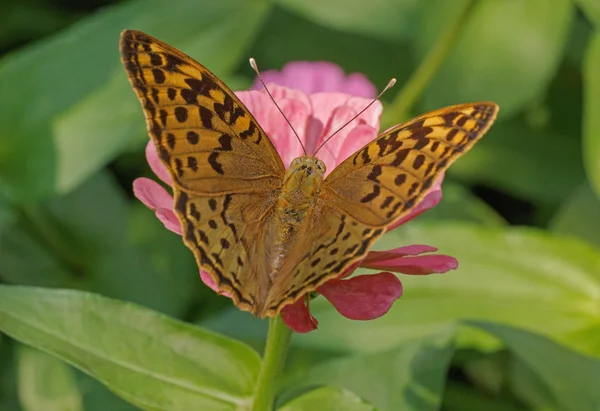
(152, 194)
(329, 152)
(314, 77)
(207, 279)
(357, 138)
(298, 317)
(314, 132)
(155, 197)
(156, 165)
(324, 104)
(169, 219)
(397, 260)
(357, 84)
(364, 297)
(281, 134)
(431, 199)
(255, 101)
(280, 92)
(372, 115)
(420, 265)
(275, 125)
(416, 249)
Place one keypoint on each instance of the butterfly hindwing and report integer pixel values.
(330, 242)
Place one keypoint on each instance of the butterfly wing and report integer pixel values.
(225, 170)
(374, 188)
(384, 180)
(326, 245)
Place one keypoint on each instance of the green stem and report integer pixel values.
(276, 348)
(399, 110)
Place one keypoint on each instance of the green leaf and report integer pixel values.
(46, 383)
(520, 155)
(460, 204)
(23, 21)
(591, 120)
(459, 397)
(23, 260)
(571, 377)
(8, 382)
(67, 108)
(96, 397)
(410, 377)
(522, 160)
(523, 277)
(528, 387)
(579, 216)
(591, 9)
(378, 18)
(85, 240)
(327, 399)
(152, 361)
(507, 53)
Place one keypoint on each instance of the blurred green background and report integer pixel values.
(517, 327)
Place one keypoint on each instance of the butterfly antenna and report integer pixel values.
(390, 84)
(255, 68)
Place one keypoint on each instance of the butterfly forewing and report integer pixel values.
(207, 138)
(385, 179)
(225, 170)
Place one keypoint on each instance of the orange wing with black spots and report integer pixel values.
(203, 133)
(225, 170)
(384, 180)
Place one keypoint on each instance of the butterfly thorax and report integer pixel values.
(301, 186)
(296, 200)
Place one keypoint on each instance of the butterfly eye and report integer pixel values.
(320, 165)
(296, 161)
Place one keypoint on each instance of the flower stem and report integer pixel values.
(276, 348)
(399, 110)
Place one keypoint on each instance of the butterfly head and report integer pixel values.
(305, 167)
(304, 177)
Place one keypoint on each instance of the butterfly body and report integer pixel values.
(293, 212)
(267, 236)
(301, 188)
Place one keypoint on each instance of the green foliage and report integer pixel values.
(151, 360)
(327, 398)
(507, 53)
(514, 276)
(515, 328)
(46, 383)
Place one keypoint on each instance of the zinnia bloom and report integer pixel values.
(317, 98)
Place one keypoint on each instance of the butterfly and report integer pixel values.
(266, 235)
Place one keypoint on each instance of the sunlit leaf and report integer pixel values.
(152, 361)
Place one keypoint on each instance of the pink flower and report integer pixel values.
(315, 115)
